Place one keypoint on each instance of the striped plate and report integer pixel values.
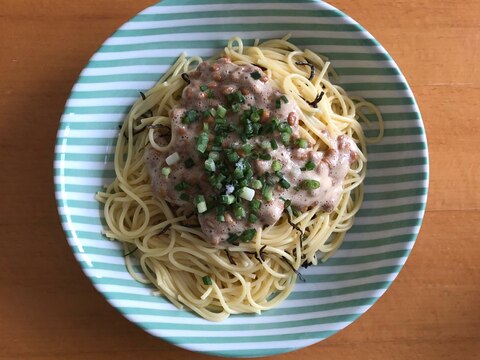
(335, 293)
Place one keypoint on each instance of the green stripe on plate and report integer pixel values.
(239, 327)
(379, 149)
(236, 28)
(221, 43)
(234, 13)
(77, 219)
(377, 242)
(395, 179)
(273, 312)
(251, 339)
(398, 194)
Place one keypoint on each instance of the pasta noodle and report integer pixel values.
(172, 251)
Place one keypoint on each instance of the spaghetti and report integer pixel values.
(167, 241)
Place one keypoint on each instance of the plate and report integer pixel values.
(375, 249)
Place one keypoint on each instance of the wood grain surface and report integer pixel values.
(49, 309)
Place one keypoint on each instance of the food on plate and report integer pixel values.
(234, 173)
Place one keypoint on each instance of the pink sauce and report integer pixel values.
(210, 86)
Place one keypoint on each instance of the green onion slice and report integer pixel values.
(210, 164)
(207, 280)
(202, 142)
(248, 235)
(166, 171)
(255, 75)
(310, 184)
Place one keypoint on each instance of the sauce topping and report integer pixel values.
(237, 158)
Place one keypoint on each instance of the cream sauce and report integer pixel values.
(223, 78)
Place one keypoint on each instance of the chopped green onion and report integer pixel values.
(189, 163)
(310, 165)
(184, 197)
(255, 117)
(247, 148)
(267, 193)
(248, 128)
(220, 209)
(284, 128)
(276, 165)
(287, 203)
(221, 111)
(278, 104)
(227, 199)
(255, 75)
(239, 97)
(216, 180)
(214, 155)
(275, 123)
(198, 199)
(217, 143)
(285, 137)
(256, 184)
(247, 193)
(220, 218)
(220, 121)
(265, 156)
(284, 183)
(238, 173)
(210, 164)
(248, 235)
(302, 143)
(284, 99)
(255, 205)
(166, 171)
(310, 184)
(252, 218)
(209, 93)
(202, 142)
(201, 204)
(239, 211)
(203, 87)
(190, 117)
(265, 145)
(182, 185)
(232, 156)
(213, 112)
(273, 144)
(205, 126)
(236, 107)
(232, 239)
(173, 158)
(207, 280)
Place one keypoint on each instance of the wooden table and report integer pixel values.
(48, 308)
